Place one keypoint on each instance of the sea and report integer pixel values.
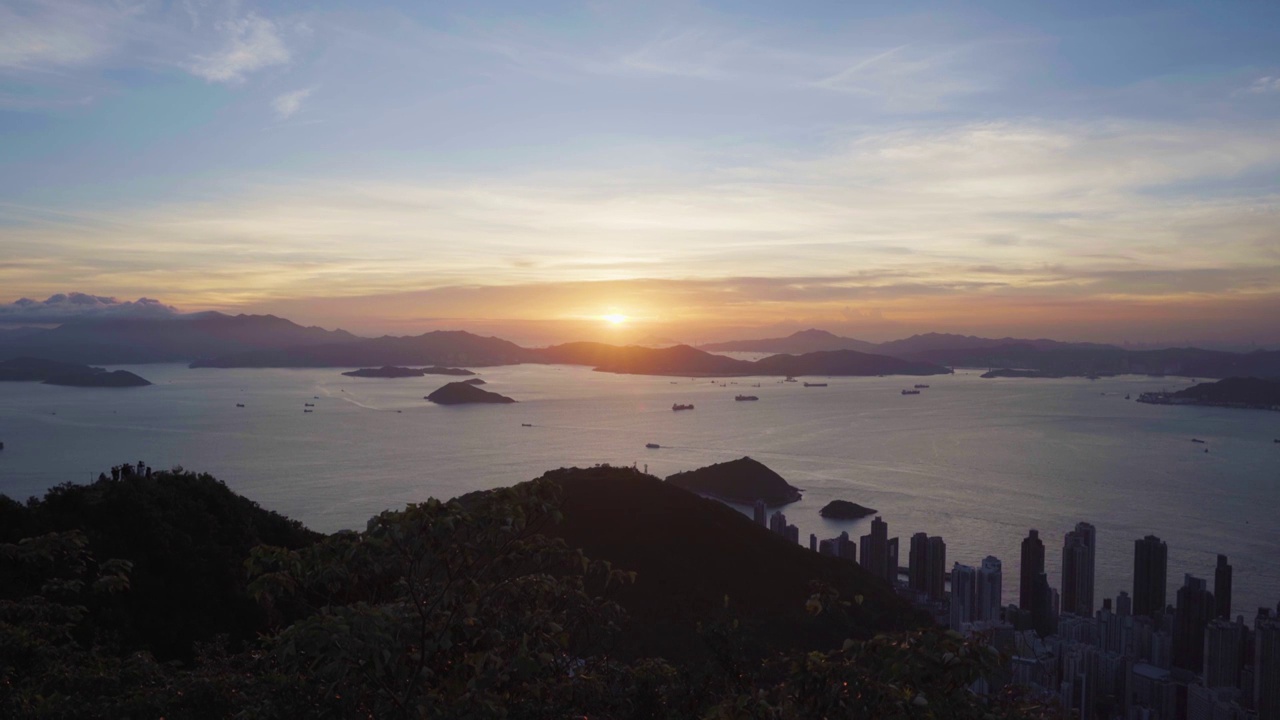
(977, 461)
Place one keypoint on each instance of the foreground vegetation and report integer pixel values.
(170, 596)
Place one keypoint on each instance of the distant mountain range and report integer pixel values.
(454, 348)
(178, 339)
(813, 340)
(216, 340)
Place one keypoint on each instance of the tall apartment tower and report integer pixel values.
(964, 580)
(1078, 552)
(874, 550)
(990, 579)
(1195, 610)
(1150, 576)
(917, 562)
(1224, 644)
(927, 570)
(1032, 566)
(760, 513)
(937, 568)
(1044, 614)
(1222, 589)
(1266, 668)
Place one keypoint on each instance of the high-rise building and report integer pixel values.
(875, 550)
(1224, 643)
(1266, 668)
(990, 579)
(1078, 552)
(918, 562)
(813, 542)
(841, 547)
(1032, 566)
(760, 513)
(1195, 610)
(1150, 575)
(1043, 611)
(964, 580)
(1124, 604)
(927, 569)
(1222, 589)
(778, 523)
(891, 562)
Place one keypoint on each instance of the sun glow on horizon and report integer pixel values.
(614, 319)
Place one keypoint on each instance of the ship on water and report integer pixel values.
(910, 392)
(678, 407)
(744, 398)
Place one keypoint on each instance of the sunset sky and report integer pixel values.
(1102, 171)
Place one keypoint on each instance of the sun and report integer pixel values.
(614, 319)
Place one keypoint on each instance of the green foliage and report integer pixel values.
(187, 537)
(463, 609)
(438, 605)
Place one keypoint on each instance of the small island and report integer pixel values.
(67, 374)
(462, 393)
(740, 481)
(1236, 392)
(845, 510)
(390, 371)
(474, 381)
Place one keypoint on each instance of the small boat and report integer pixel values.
(1197, 440)
(910, 392)
(1276, 441)
(815, 384)
(744, 398)
(1126, 396)
(239, 404)
(921, 386)
(307, 410)
(677, 407)
(526, 424)
(308, 404)
(652, 446)
(789, 379)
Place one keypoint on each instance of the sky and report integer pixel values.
(1087, 170)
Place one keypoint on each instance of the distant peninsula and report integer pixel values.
(464, 393)
(741, 481)
(1013, 373)
(1237, 392)
(391, 371)
(845, 510)
(50, 372)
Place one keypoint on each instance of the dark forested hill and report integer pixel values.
(188, 537)
(690, 553)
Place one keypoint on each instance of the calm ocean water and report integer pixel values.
(976, 461)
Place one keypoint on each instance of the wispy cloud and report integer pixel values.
(1264, 86)
(251, 43)
(48, 36)
(289, 103)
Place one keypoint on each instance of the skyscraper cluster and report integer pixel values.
(1133, 657)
